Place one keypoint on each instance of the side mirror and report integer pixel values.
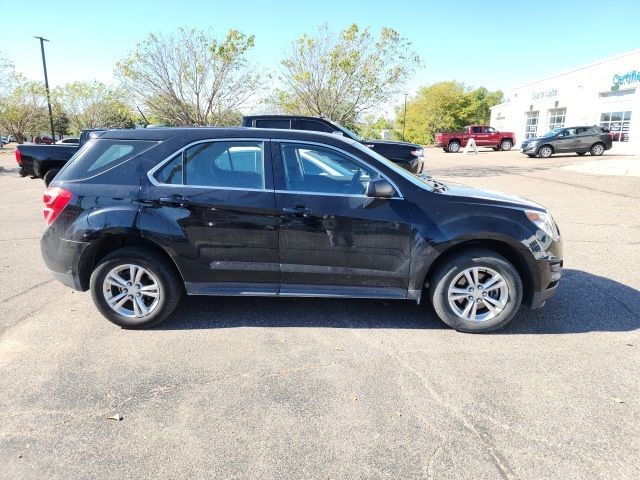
(380, 188)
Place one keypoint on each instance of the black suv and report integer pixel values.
(139, 216)
(593, 139)
(408, 155)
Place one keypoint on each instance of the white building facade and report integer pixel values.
(605, 93)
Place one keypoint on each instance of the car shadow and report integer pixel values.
(583, 303)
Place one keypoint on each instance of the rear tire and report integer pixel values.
(597, 149)
(506, 145)
(50, 175)
(490, 307)
(454, 147)
(138, 302)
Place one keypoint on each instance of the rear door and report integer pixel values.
(333, 239)
(212, 205)
(585, 137)
(479, 136)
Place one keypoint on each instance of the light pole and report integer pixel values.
(404, 120)
(46, 86)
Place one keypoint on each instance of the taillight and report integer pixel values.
(55, 199)
(18, 156)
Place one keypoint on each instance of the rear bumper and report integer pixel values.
(63, 259)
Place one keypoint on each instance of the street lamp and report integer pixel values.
(46, 85)
(404, 120)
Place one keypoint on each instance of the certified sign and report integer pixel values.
(626, 79)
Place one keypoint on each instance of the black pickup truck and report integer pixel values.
(45, 161)
(408, 155)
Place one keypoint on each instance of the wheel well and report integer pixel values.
(457, 140)
(504, 249)
(597, 143)
(507, 138)
(109, 243)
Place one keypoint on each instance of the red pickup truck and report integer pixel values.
(483, 135)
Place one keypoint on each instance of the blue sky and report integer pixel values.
(494, 44)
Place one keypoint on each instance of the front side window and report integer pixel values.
(314, 126)
(232, 164)
(489, 130)
(311, 168)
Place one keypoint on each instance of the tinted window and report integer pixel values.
(310, 168)
(567, 132)
(274, 123)
(171, 172)
(225, 164)
(315, 126)
(585, 131)
(489, 130)
(101, 155)
(476, 129)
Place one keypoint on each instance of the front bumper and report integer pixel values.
(528, 148)
(550, 271)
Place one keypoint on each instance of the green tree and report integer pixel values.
(444, 106)
(343, 76)
(23, 111)
(94, 105)
(191, 78)
(372, 126)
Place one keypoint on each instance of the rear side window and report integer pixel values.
(101, 155)
(233, 164)
(280, 123)
(314, 126)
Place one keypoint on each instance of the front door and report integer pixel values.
(335, 240)
(566, 141)
(213, 206)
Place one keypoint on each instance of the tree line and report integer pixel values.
(192, 77)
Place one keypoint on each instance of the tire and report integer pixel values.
(581, 153)
(454, 147)
(48, 177)
(545, 151)
(597, 149)
(505, 302)
(160, 273)
(506, 145)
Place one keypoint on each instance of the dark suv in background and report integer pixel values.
(408, 155)
(592, 139)
(139, 216)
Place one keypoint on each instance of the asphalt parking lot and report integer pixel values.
(309, 388)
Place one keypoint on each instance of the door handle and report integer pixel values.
(297, 211)
(174, 201)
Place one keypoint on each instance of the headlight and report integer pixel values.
(418, 152)
(544, 222)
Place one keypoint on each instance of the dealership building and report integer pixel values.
(605, 93)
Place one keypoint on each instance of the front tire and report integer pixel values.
(135, 288)
(50, 175)
(545, 151)
(454, 147)
(506, 145)
(476, 291)
(597, 150)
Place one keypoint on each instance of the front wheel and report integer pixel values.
(135, 288)
(476, 291)
(545, 152)
(506, 145)
(597, 150)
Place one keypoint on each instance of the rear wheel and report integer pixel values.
(545, 151)
(454, 147)
(476, 291)
(50, 175)
(506, 145)
(135, 288)
(597, 150)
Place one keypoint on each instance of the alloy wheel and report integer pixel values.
(478, 294)
(131, 291)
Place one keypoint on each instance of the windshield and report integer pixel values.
(552, 133)
(420, 181)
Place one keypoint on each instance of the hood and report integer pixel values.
(490, 196)
(389, 142)
(537, 139)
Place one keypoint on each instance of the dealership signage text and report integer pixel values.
(544, 94)
(628, 78)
